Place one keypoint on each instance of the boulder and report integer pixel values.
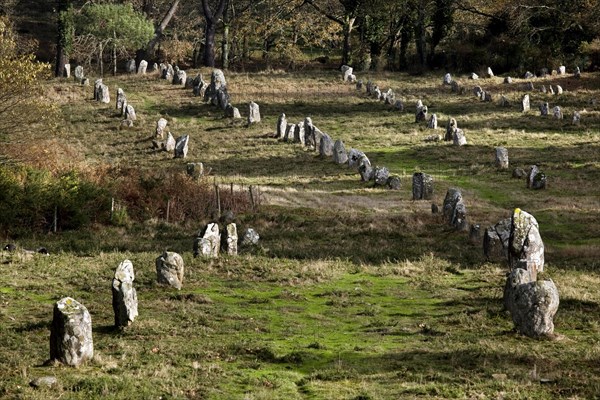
(422, 186)
(559, 89)
(195, 170)
(170, 269)
(250, 238)
(354, 157)
(217, 82)
(289, 132)
(562, 70)
(459, 138)
(421, 115)
(473, 76)
(124, 296)
(71, 340)
(394, 182)
(576, 118)
(381, 176)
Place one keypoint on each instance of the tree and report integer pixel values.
(116, 26)
(159, 30)
(211, 18)
(64, 37)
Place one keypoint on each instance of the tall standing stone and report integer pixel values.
(78, 73)
(339, 152)
(120, 99)
(281, 126)
(170, 269)
(432, 124)
(124, 296)
(161, 125)
(455, 210)
(231, 239)
(326, 146)
(459, 138)
(309, 133)
(501, 158)
(142, 67)
(525, 246)
(253, 113)
(71, 340)
(181, 146)
(489, 72)
(525, 105)
(451, 127)
(130, 66)
(130, 113)
(104, 94)
(208, 242)
(422, 186)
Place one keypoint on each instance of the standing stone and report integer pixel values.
(528, 75)
(230, 243)
(504, 101)
(120, 99)
(421, 115)
(454, 209)
(170, 269)
(253, 113)
(309, 133)
(394, 182)
(447, 79)
(544, 109)
(97, 89)
(364, 169)
(167, 72)
(232, 112)
(381, 176)
(501, 158)
(475, 233)
(85, 82)
(281, 126)
(557, 112)
(130, 113)
(289, 132)
(577, 72)
(299, 135)
(525, 246)
(208, 242)
(422, 186)
(576, 118)
(359, 85)
(250, 238)
(195, 170)
(180, 78)
(142, 67)
(529, 86)
(67, 71)
(508, 80)
(71, 340)
(559, 89)
(562, 70)
(124, 296)
(455, 87)
(161, 125)
(487, 97)
(399, 105)
(130, 66)
(181, 146)
(473, 76)
(155, 67)
(532, 304)
(459, 138)
(536, 179)
(477, 91)
(354, 157)
(222, 99)
(432, 123)
(489, 72)
(78, 73)
(550, 89)
(495, 241)
(451, 127)
(217, 81)
(326, 146)
(104, 94)
(347, 73)
(525, 106)
(339, 152)
(170, 143)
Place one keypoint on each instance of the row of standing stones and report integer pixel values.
(532, 302)
(71, 341)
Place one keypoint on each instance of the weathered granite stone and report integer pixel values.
(536, 179)
(85, 82)
(381, 176)
(354, 157)
(230, 244)
(71, 340)
(557, 112)
(180, 77)
(576, 118)
(130, 66)
(78, 74)
(309, 133)
(339, 152)
(487, 96)
(447, 79)
(130, 113)
(217, 81)
(326, 146)
(559, 89)
(347, 72)
(562, 70)
(170, 269)
(208, 242)
(525, 105)
(161, 125)
(299, 134)
(124, 296)
(281, 126)
(422, 186)
(495, 241)
(459, 138)
(253, 113)
(250, 238)
(473, 76)
(489, 73)
(67, 71)
(223, 99)
(181, 146)
(365, 169)
(394, 182)
(525, 246)
(432, 123)
(195, 170)
(421, 115)
(169, 144)
(454, 209)
(232, 112)
(508, 80)
(120, 99)
(451, 127)
(501, 158)
(529, 86)
(44, 382)
(142, 67)
(544, 109)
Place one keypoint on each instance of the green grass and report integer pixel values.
(355, 292)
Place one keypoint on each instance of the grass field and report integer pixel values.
(355, 292)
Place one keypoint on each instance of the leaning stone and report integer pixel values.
(195, 170)
(473, 76)
(451, 127)
(458, 138)
(120, 99)
(281, 126)
(78, 75)
(230, 243)
(381, 176)
(501, 158)
(354, 157)
(130, 66)
(142, 67)
(124, 296)
(170, 143)
(250, 238)
(495, 241)
(130, 113)
(422, 186)
(365, 169)
(394, 182)
(489, 73)
(557, 112)
(339, 152)
(532, 304)
(447, 79)
(208, 242)
(181, 146)
(44, 382)
(525, 246)
(432, 123)
(326, 146)
(529, 86)
(525, 105)
(170, 269)
(124, 109)
(71, 340)
(253, 113)
(161, 125)
(535, 178)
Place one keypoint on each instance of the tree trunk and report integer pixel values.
(225, 46)
(100, 61)
(208, 58)
(347, 27)
(62, 38)
(405, 38)
(421, 38)
(114, 54)
(148, 52)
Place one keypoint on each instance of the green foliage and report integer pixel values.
(66, 28)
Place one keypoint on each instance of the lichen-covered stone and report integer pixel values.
(71, 340)
(501, 158)
(170, 269)
(354, 157)
(253, 113)
(422, 186)
(124, 296)
(459, 138)
(208, 242)
(365, 169)
(451, 127)
(454, 209)
(495, 241)
(394, 182)
(339, 152)
(230, 243)
(525, 247)
(381, 175)
(250, 238)
(326, 146)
